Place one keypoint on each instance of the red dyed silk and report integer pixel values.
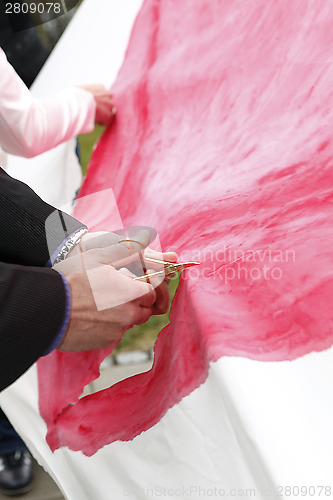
(222, 142)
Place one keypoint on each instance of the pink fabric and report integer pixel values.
(223, 143)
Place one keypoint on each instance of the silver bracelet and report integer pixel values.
(70, 244)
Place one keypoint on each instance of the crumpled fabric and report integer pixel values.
(222, 142)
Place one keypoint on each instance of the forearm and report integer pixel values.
(29, 126)
(34, 310)
(35, 303)
(31, 230)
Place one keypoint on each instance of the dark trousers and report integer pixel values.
(10, 441)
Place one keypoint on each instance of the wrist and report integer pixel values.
(70, 244)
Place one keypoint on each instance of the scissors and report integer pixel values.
(168, 268)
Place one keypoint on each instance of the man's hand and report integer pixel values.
(105, 108)
(90, 328)
(162, 301)
(125, 255)
(106, 301)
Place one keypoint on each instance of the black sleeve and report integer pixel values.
(32, 312)
(32, 297)
(30, 229)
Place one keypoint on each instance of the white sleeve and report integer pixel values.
(31, 126)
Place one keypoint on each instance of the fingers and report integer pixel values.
(102, 239)
(159, 256)
(98, 239)
(143, 306)
(134, 244)
(106, 301)
(105, 113)
(166, 256)
(122, 251)
(105, 107)
(170, 256)
(143, 293)
(142, 315)
(157, 298)
(148, 299)
(162, 301)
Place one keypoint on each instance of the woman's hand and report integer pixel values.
(105, 108)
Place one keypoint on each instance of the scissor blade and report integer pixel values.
(184, 265)
(170, 268)
(147, 277)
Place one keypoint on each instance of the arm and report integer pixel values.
(30, 126)
(35, 302)
(33, 312)
(22, 225)
(41, 309)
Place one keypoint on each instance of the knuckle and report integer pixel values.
(143, 315)
(130, 314)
